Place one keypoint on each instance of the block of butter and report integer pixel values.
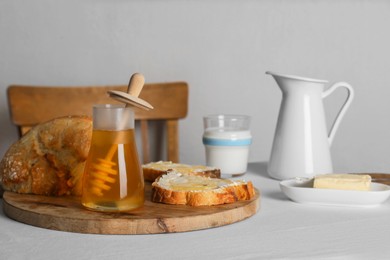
(343, 182)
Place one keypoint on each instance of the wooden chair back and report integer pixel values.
(31, 105)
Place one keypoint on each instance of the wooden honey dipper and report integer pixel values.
(102, 174)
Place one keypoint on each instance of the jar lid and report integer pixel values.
(136, 84)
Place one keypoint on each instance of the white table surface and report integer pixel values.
(282, 229)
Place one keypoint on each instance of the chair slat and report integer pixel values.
(31, 105)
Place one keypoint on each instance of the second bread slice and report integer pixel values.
(154, 170)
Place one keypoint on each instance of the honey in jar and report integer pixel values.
(113, 179)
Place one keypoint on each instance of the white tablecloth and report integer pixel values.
(282, 229)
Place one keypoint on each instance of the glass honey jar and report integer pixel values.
(113, 179)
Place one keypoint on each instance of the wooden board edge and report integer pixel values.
(136, 226)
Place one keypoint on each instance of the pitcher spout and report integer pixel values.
(299, 78)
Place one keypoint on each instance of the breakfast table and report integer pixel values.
(280, 229)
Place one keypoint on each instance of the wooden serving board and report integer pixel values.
(67, 214)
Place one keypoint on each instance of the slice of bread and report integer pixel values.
(154, 170)
(183, 189)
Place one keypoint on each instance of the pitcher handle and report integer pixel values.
(343, 109)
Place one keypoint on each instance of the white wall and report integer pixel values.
(222, 49)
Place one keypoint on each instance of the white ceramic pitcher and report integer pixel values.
(301, 146)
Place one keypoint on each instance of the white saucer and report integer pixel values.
(301, 190)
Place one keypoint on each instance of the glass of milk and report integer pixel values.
(227, 139)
